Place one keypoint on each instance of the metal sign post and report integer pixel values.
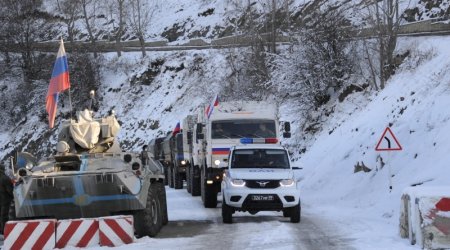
(388, 138)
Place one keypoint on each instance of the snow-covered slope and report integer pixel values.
(182, 82)
(415, 105)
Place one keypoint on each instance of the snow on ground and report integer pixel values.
(415, 103)
(191, 226)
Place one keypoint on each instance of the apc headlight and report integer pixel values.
(238, 183)
(29, 165)
(217, 162)
(183, 162)
(287, 183)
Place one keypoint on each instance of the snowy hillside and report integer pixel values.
(415, 106)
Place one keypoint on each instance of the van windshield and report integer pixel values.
(236, 129)
(260, 158)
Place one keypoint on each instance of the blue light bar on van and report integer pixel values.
(258, 140)
(246, 140)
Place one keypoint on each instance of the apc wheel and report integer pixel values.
(227, 213)
(163, 201)
(178, 181)
(296, 213)
(170, 176)
(195, 182)
(149, 220)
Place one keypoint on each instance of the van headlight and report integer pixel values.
(183, 162)
(237, 182)
(287, 183)
(217, 162)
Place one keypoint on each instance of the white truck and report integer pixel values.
(225, 127)
(259, 177)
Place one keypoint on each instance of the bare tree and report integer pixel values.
(119, 33)
(383, 16)
(88, 8)
(141, 14)
(116, 12)
(70, 9)
(319, 64)
(22, 28)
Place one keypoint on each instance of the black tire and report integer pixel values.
(227, 213)
(178, 181)
(166, 177)
(195, 182)
(163, 201)
(188, 179)
(202, 187)
(286, 213)
(170, 176)
(149, 220)
(295, 213)
(210, 196)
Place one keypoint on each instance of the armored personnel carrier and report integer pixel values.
(89, 176)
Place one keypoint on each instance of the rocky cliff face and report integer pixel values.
(427, 9)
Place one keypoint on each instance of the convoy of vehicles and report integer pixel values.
(196, 153)
(259, 177)
(233, 150)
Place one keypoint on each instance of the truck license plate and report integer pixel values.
(262, 197)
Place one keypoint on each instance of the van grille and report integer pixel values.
(262, 183)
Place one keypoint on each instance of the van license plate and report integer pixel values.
(266, 197)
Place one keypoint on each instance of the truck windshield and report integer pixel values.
(260, 158)
(234, 129)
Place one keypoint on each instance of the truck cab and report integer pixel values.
(259, 177)
(228, 124)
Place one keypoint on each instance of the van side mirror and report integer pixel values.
(199, 131)
(287, 127)
(199, 128)
(189, 137)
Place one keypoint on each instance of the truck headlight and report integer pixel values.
(217, 162)
(287, 183)
(238, 183)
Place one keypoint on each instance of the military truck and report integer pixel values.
(174, 160)
(155, 147)
(192, 174)
(224, 127)
(89, 176)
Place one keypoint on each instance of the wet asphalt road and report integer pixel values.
(265, 230)
(191, 226)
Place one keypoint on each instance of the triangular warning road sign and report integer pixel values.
(388, 142)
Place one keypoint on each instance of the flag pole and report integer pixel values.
(70, 95)
(70, 102)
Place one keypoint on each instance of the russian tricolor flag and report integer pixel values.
(210, 108)
(58, 83)
(177, 129)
